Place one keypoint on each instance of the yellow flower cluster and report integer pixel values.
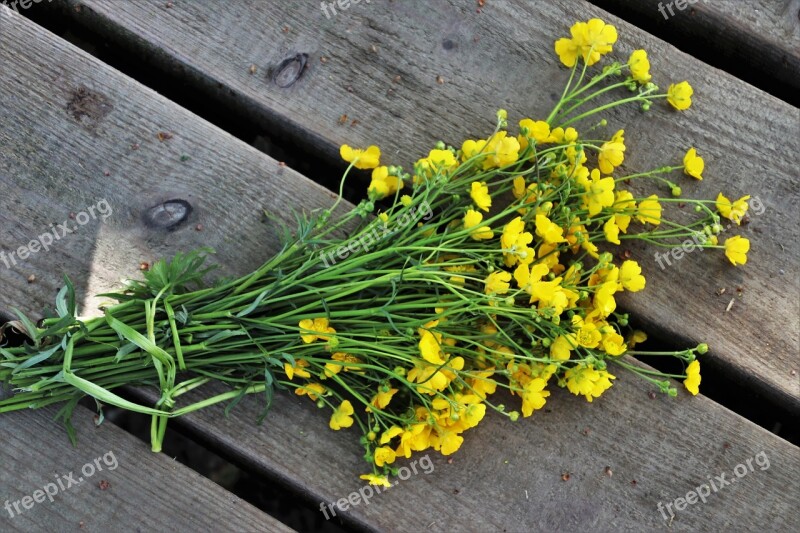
(514, 284)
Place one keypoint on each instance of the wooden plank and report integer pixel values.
(757, 40)
(485, 486)
(110, 481)
(508, 476)
(503, 57)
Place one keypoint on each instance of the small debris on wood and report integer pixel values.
(198, 227)
(456, 491)
(793, 372)
(169, 5)
(144, 265)
(633, 482)
(343, 119)
(449, 460)
(31, 278)
(285, 29)
(253, 69)
(281, 163)
(440, 80)
(72, 216)
(607, 471)
(323, 60)
(730, 305)
(651, 395)
(164, 136)
(397, 79)
(565, 476)
(135, 146)
(81, 524)
(721, 291)
(373, 49)
(726, 445)
(104, 485)
(355, 122)
(586, 432)
(185, 158)
(106, 173)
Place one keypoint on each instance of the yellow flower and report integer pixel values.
(313, 390)
(585, 380)
(497, 282)
(630, 276)
(362, 159)
(692, 381)
(623, 207)
(549, 231)
(384, 456)
(472, 220)
(561, 348)
(650, 211)
(599, 193)
(373, 479)
(640, 66)
(501, 151)
(472, 148)
(382, 399)
(342, 416)
(450, 442)
(732, 210)
(297, 370)
(480, 195)
(539, 131)
(443, 161)
(693, 164)
(736, 249)
(588, 335)
(591, 40)
(533, 396)
(680, 96)
(567, 50)
(611, 230)
(636, 337)
(612, 153)
(317, 327)
(604, 302)
(383, 184)
(430, 348)
(613, 343)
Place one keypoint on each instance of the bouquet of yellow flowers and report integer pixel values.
(488, 267)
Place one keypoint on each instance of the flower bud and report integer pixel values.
(702, 348)
(371, 436)
(514, 416)
(320, 404)
(440, 145)
(676, 191)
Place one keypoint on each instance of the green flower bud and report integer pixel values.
(440, 145)
(514, 416)
(320, 404)
(702, 348)
(546, 342)
(676, 191)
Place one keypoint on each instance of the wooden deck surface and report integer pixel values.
(54, 161)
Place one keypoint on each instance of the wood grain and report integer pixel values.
(757, 40)
(144, 491)
(381, 65)
(506, 477)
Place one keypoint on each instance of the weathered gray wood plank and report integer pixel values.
(667, 446)
(502, 57)
(124, 488)
(508, 476)
(758, 40)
